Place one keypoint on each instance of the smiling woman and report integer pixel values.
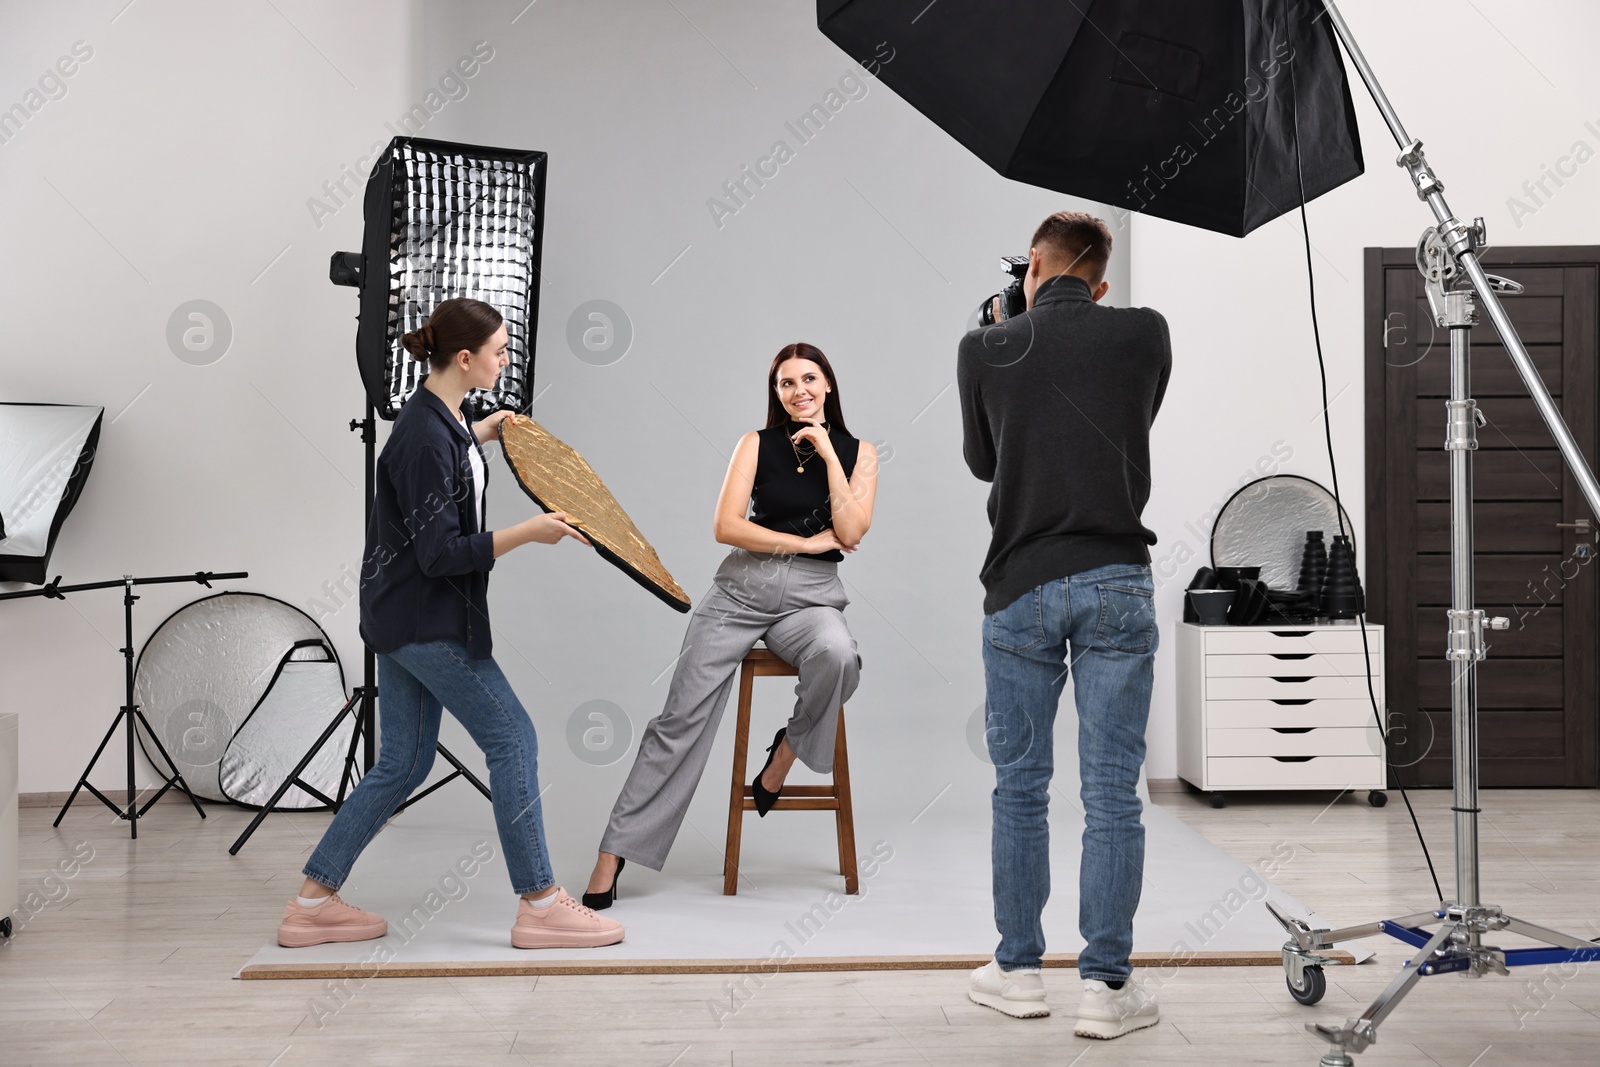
(798, 494)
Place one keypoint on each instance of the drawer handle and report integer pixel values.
(1294, 759)
(1291, 703)
(1291, 655)
(1291, 678)
(1291, 633)
(1292, 729)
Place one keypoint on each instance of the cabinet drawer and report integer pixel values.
(1236, 714)
(1320, 741)
(1298, 664)
(1318, 772)
(1248, 639)
(1291, 686)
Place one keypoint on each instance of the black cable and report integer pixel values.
(1338, 504)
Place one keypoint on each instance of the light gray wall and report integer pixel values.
(874, 242)
(180, 164)
(196, 159)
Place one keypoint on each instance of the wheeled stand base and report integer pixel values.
(1455, 947)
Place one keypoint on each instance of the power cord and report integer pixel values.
(1327, 429)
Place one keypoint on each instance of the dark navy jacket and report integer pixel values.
(425, 574)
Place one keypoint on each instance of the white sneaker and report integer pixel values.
(1018, 993)
(1106, 1013)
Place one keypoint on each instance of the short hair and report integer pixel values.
(1077, 237)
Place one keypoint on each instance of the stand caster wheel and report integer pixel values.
(5, 926)
(1218, 800)
(1315, 985)
(1377, 798)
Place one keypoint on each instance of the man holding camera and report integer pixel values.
(1056, 407)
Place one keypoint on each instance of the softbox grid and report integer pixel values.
(457, 221)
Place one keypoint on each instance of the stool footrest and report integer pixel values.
(788, 803)
(801, 791)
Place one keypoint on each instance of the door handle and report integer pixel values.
(1581, 525)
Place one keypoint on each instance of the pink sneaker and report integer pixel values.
(332, 920)
(564, 924)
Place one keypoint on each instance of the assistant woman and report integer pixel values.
(425, 612)
(807, 487)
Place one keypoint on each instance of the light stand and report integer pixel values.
(129, 715)
(1457, 287)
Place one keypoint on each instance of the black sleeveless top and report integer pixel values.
(788, 501)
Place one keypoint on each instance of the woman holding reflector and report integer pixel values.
(807, 487)
(424, 611)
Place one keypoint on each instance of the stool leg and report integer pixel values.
(741, 748)
(844, 814)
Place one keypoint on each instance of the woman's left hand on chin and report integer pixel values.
(819, 439)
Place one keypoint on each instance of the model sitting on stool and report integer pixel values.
(809, 488)
(425, 612)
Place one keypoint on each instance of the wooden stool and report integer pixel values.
(762, 662)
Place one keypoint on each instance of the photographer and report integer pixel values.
(1056, 407)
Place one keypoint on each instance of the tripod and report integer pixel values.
(1457, 288)
(365, 695)
(130, 715)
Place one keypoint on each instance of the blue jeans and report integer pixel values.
(1106, 618)
(415, 682)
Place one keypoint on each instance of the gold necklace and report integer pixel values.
(800, 460)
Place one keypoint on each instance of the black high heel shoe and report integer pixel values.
(764, 798)
(602, 900)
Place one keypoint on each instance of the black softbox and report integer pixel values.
(449, 220)
(46, 451)
(1182, 109)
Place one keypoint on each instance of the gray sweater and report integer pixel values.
(1056, 407)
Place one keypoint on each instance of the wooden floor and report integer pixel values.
(129, 960)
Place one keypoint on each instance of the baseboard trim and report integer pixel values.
(56, 799)
(1165, 785)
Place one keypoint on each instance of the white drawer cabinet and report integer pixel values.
(1279, 708)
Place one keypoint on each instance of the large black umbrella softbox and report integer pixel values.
(1183, 109)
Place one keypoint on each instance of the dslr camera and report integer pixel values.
(1010, 301)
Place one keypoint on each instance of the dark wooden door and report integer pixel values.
(1538, 703)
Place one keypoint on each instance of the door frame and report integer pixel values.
(1379, 464)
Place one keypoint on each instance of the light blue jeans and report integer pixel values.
(415, 683)
(1105, 618)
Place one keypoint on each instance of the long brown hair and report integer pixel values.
(832, 414)
(455, 324)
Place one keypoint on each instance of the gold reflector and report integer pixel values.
(558, 479)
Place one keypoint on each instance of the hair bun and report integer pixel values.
(419, 343)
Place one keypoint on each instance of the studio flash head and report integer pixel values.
(1010, 301)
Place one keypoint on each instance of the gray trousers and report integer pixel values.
(797, 604)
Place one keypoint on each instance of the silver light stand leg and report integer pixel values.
(1448, 256)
